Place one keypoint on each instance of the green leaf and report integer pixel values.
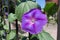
(19, 0)
(0, 18)
(1, 32)
(3, 39)
(1, 25)
(6, 27)
(24, 7)
(11, 35)
(44, 36)
(51, 8)
(24, 38)
(34, 37)
(11, 17)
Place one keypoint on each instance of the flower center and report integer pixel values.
(33, 20)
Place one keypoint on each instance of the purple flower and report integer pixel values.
(6, 13)
(33, 21)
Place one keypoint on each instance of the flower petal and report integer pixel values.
(33, 21)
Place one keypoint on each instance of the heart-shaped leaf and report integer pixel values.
(11, 35)
(24, 7)
(6, 27)
(44, 36)
(11, 17)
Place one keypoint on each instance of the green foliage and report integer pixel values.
(34, 37)
(1, 32)
(24, 7)
(51, 8)
(6, 27)
(11, 35)
(11, 17)
(19, 0)
(0, 18)
(24, 38)
(42, 36)
(1, 25)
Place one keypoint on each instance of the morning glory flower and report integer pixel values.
(33, 21)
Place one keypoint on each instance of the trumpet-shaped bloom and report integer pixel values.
(33, 21)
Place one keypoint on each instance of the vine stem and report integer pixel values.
(30, 36)
(17, 30)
